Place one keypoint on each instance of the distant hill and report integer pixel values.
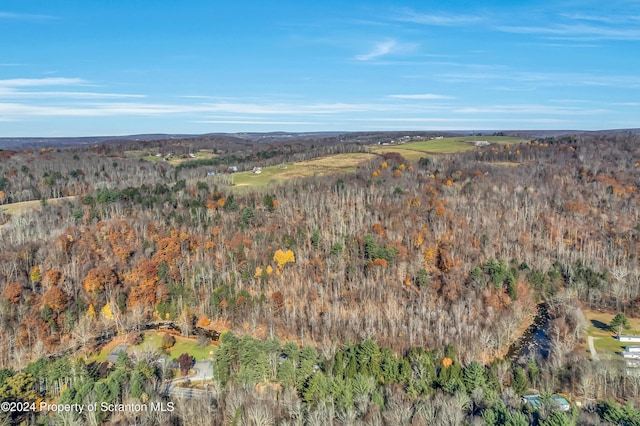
(70, 142)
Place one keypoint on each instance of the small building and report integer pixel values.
(632, 349)
(561, 403)
(630, 355)
(113, 356)
(628, 338)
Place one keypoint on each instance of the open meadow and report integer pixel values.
(339, 163)
(413, 151)
(605, 342)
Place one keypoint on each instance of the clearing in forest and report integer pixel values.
(153, 342)
(413, 151)
(169, 157)
(25, 206)
(332, 164)
(605, 341)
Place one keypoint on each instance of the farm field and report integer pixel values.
(604, 340)
(340, 163)
(413, 151)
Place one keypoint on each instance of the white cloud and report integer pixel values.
(380, 49)
(421, 96)
(14, 94)
(576, 31)
(441, 20)
(37, 82)
(156, 109)
(529, 109)
(274, 123)
(25, 16)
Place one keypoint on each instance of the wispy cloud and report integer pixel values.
(14, 94)
(270, 123)
(15, 89)
(441, 20)
(421, 96)
(35, 82)
(530, 109)
(156, 109)
(380, 49)
(606, 19)
(25, 16)
(576, 31)
(540, 79)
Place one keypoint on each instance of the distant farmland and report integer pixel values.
(334, 164)
(413, 151)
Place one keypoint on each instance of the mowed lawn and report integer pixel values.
(153, 341)
(604, 340)
(333, 164)
(413, 151)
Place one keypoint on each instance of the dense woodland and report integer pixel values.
(387, 296)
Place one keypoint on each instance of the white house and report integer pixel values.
(632, 348)
(628, 338)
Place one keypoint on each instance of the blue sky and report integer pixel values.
(79, 68)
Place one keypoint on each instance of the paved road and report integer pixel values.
(592, 349)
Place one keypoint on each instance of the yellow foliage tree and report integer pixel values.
(283, 257)
(91, 312)
(107, 312)
(35, 274)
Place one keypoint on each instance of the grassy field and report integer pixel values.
(183, 345)
(153, 340)
(22, 207)
(148, 155)
(340, 163)
(413, 151)
(604, 340)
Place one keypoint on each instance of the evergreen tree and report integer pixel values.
(619, 322)
(519, 382)
(557, 418)
(474, 376)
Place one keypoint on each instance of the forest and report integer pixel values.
(391, 295)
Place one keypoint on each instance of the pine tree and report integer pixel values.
(474, 376)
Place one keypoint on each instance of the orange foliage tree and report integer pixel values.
(98, 279)
(56, 299)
